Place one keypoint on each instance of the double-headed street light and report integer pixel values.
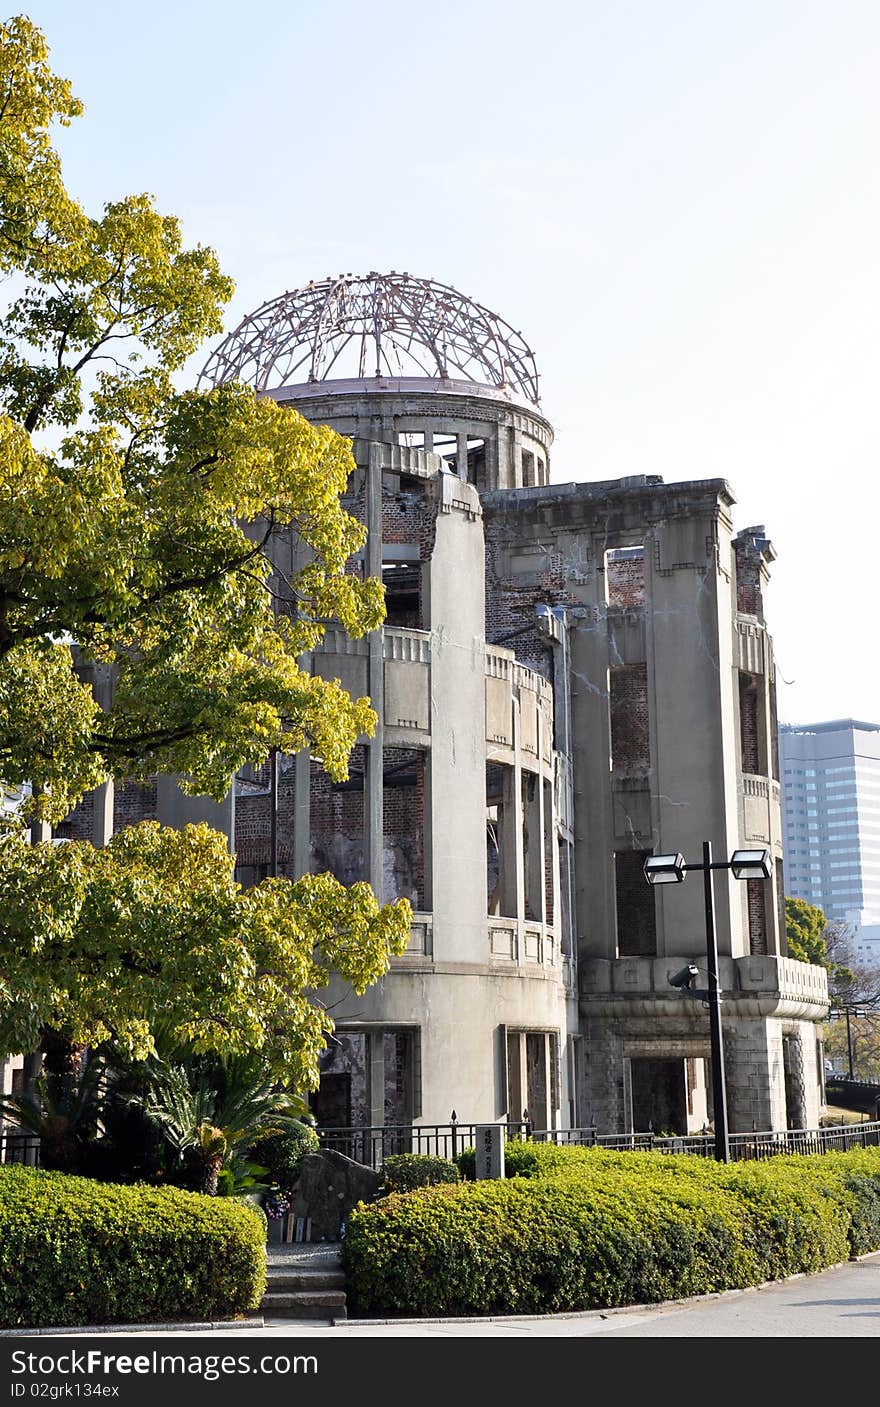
(671, 869)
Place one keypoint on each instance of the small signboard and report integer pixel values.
(490, 1150)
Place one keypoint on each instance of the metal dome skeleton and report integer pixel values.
(379, 325)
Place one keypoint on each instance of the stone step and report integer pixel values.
(304, 1304)
(294, 1278)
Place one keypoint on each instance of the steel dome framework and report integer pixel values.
(377, 325)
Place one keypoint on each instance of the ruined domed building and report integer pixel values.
(570, 677)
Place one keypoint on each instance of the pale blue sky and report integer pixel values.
(676, 201)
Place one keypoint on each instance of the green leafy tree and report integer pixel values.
(137, 521)
(152, 932)
(805, 930)
(811, 938)
(138, 524)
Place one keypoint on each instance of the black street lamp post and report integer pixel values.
(671, 869)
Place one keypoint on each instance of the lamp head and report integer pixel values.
(750, 864)
(664, 869)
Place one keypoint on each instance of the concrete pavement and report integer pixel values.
(840, 1303)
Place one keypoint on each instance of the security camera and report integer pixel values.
(685, 977)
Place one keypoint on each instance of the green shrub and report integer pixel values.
(282, 1153)
(580, 1228)
(74, 1251)
(402, 1172)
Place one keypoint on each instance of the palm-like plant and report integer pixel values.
(63, 1111)
(210, 1110)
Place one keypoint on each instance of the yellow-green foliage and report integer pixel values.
(73, 1251)
(580, 1228)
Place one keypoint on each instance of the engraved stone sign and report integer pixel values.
(490, 1150)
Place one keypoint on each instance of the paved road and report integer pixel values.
(839, 1303)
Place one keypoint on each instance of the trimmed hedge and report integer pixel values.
(402, 1172)
(582, 1228)
(281, 1153)
(74, 1251)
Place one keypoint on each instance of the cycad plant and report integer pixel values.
(210, 1110)
(63, 1111)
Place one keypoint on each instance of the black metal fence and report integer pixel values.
(373, 1145)
(17, 1147)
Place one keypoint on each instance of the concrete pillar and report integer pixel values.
(755, 1074)
(102, 815)
(516, 480)
(176, 808)
(373, 750)
(517, 825)
(461, 455)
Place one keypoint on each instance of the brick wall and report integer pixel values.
(133, 802)
(78, 824)
(337, 822)
(253, 820)
(636, 909)
(510, 604)
(625, 578)
(628, 704)
(756, 898)
(747, 555)
(749, 726)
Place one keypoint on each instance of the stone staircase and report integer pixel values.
(304, 1280)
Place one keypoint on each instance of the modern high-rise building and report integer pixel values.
(831, 817)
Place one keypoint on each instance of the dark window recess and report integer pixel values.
(402, 597)
(636, 911)
(793, 1067)
(658, 1096)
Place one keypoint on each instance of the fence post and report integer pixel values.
(453, 1124)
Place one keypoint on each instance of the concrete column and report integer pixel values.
(373, 769)
(302, 813)
(491, 451)
(175, 808)
(102, 815)
(461, 455)
(516, 480)
(519, 857)
(522, 1050)
(627, 1096)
